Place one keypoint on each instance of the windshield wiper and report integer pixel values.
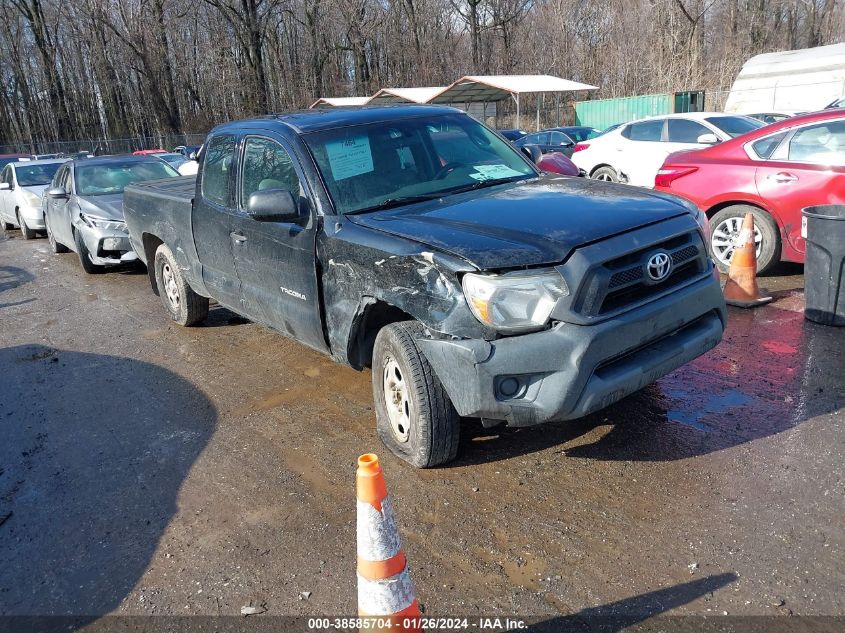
(484, 183)
(389, 203)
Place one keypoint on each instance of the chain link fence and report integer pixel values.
(104, 146)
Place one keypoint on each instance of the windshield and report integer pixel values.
(173, 159)
(734, 125)
(112, 177)
(390, 162)
(34, 175)
(581, 134)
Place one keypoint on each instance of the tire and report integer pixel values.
(7, 226)
(607, 174)
(183, 305)
(28, 233)
(84, 256)
(56, 247)
(726, 224)
(425, 428)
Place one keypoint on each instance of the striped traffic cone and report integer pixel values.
(385, 590)
(741, 289)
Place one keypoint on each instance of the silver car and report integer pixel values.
(22, 186)
(83, 209)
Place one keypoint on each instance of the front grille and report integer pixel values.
(622, 282)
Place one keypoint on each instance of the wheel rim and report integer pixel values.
(604, 176)
(170, 287)
(397, 400)
(725, 239)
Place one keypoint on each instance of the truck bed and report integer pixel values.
(178, 190)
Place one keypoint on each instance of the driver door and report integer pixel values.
(275, 261)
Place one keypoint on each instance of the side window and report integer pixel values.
(217, 169)
(559, 138)
(266, 166)
(765, 147)
(645, 131)
(823, 144)
(685, 131)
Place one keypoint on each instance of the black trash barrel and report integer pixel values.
(824, 268)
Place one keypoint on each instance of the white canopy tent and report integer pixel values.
(404, 95)
(493, 88)
(336, 102)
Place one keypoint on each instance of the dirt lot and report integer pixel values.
(151, 469)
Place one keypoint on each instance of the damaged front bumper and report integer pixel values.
(571, 370)
(107, 246)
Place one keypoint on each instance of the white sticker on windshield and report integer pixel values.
(491, 172)
(350, 157)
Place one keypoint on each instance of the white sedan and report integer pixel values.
(633, 153)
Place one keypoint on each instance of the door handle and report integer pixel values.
(784, 177)
(237, 238)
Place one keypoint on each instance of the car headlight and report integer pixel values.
(32, 199)
(514, 302)
(102, 223)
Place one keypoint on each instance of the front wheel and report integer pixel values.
(183, 305)
(28, 233)
(606, 174)
(725, 229)
(85, 256)
(414, 416)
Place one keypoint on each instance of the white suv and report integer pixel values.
(634, 152)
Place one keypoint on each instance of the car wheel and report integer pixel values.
(7, 226)
(183, 305)
(55, 246)
(414, 416)
(606, 174)
(28, 233)
(85, 256)
(724, 232)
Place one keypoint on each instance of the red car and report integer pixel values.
(148, 152)
(774, 172)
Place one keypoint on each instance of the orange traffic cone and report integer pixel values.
(385, 590)
(741, 289)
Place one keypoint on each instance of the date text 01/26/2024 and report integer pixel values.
(424, 623)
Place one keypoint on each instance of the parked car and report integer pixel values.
(148, 152)
(83, 209)
(633, 152)
(557, 163)
(416, 241)
(773, 172)
(174, 159)
(774, 117)
(548, 141)
(187, 150)
(512, 135)
(579, 133)
(21, 189)
(5, 159)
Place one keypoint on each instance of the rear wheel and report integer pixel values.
(414, 416)
(726, 226)
(606, 174)
(28, 233)
(183, 305)
(85, 256)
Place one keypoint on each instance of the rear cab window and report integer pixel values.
(218, 164)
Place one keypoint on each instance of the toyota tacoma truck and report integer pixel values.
(416, 242)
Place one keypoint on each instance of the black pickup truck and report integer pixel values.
(415, 241)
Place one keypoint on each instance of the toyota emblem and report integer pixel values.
(658, 267)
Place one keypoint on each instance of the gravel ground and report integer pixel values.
(151, 469)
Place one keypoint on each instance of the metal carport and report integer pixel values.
(336, 102)
(493, 88)
(404, 95)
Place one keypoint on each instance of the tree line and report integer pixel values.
(130, 68)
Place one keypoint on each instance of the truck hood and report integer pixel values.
(109, 206)
(527, 224)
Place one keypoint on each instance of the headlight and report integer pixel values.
(514, 302)
(102, 223)
(32, 199)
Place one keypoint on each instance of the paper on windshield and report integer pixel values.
(492, 172)
(350, 157)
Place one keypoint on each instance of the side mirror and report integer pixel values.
(273, 205)
(5, 186)
(57, 193)
(707, 139)
(192, 156)
(533, 152)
